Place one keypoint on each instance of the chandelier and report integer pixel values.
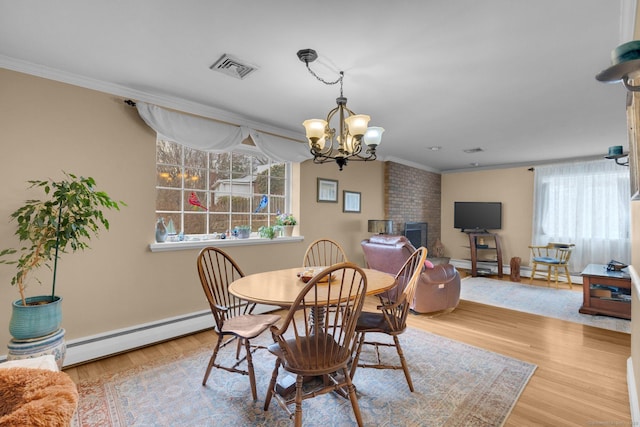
(345, 142)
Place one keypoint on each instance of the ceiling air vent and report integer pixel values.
(232, 67)
(473, 150)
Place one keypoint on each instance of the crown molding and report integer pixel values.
(410, 164)
(137, 95)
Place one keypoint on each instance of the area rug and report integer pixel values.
(455, 385)
(545, 301)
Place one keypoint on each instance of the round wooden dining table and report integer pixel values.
(281, 287)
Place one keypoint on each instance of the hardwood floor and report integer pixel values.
(580, 379)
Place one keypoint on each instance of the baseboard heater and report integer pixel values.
(525, 271)
(121, 340)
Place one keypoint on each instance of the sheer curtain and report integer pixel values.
(585, 203)
(210, 135)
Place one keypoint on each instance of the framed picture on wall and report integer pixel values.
(327, 190)
(351, 201)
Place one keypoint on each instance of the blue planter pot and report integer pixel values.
(33, 321)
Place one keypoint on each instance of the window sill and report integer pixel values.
(220, 243)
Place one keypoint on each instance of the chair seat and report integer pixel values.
(304, 352)
(249, 325)
(373, 322)
(546, 259)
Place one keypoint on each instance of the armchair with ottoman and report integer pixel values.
(438, 288)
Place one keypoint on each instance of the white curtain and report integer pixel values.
(278, 149)
(587, 204)
(209, 135)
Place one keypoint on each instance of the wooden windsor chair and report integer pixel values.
(316, 338)
(391, 319)
(233, 317)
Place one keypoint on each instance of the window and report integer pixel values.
(206, 193)
(585, 203)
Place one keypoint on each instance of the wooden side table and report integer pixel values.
(606, 292)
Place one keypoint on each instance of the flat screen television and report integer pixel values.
(477, 216)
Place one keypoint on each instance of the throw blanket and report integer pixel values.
(36, 397)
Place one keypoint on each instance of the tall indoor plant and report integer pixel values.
(66, 218)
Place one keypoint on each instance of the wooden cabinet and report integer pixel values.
(485, 247)
(606, 292)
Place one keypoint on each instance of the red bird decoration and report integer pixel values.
(194, 201)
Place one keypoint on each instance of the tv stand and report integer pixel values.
(492, 244)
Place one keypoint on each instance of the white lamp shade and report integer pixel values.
(314, 128)
(373, 136)
(349, 146)
(357, 124)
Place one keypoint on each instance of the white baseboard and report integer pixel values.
(633, 394)
(525, 271)
(117, 341)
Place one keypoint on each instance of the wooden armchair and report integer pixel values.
(553, 256)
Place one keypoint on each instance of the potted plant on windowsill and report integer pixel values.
(242, 231)
(70, 212)
(267, 231)
(286, 222)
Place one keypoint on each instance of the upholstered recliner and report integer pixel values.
(438, 287)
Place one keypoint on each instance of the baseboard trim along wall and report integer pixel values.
(525, 271)
(633, 395)
(117, 341)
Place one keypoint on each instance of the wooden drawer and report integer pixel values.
(611, 306)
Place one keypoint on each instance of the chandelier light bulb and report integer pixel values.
(350, 145)
(357, 124)
(315, 130)
(373, 136)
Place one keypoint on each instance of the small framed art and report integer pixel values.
(350, 201)
(327, 190)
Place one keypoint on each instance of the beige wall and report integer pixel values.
(47, 127)
(327, 219)
(513, 187)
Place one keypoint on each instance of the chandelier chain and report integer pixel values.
(339, 80)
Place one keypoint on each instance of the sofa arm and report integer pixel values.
(438, 289)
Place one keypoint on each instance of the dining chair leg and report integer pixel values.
(252, 375)
(272, 385)
(212, 360)
(298, 413)
(238, 347)
(358, 343)
(403, 362)
(352, 396)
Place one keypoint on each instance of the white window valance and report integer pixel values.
(206, 134)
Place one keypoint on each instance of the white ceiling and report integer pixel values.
(513, 77)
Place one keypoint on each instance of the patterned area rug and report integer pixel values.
(456, 385)
(550, 302)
